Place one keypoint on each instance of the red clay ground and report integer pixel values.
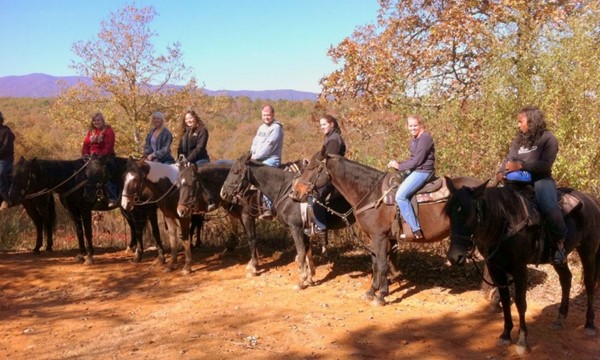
(52, 307)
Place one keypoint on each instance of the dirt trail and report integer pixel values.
(54, 308)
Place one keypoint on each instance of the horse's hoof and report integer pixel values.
(503, 342)
(186, 272)
(36, 251)
(521, 349)
(251, 274)
(590, 331)
(79, 258)
(159, 261)
(129, 250)
(88, 261)
(168, 269)
(556, 325)
(299, 287)
(378, 302)
(367, 297)
(135, 261)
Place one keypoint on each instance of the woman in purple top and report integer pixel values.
(419, 167)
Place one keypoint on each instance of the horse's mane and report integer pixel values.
(502, 207)
(359, 176)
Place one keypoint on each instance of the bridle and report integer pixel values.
(139, 182)
(310, 183)
(469, 239)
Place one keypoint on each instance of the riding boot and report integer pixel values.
(559, 257)
(556, 230)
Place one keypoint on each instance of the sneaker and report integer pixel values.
(112, 203)
(314, 230)
(418, 235)
(559, 257)
(267, 215)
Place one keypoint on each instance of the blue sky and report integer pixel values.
(230, 44)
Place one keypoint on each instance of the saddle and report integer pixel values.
(435, 190)
(532, 217)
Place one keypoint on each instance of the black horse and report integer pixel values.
(276, 183)
(38, 178)
(502, 226)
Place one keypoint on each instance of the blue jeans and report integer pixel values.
(406, 190)
(547, 199)
(202, 162)
(5, 171)
(272, 163)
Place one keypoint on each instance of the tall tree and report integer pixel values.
(129, 79)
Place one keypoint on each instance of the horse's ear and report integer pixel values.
(450, 185)
(478, 191)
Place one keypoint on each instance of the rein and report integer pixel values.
(46, 191)
(167, 193)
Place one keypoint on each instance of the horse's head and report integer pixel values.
(133, 183)
(463, 210)
(236, 183)
(313, 177)
(97, 176)
(189, 189)
(25, 176)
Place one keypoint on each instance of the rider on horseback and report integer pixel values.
(267, 147)
(333, 144)
(534, 150)
(420, 167)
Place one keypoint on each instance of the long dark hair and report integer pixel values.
(198, 124)
(536, 121)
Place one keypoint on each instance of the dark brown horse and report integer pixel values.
(276, 183)
(201, 186)
(153, 182)
(500, 224)
(363, 187)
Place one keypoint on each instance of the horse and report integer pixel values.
(497, 221)
(362, 186)
(198, 183)
(98, 171)
(276, 183)
(36, 180)
(153, 182)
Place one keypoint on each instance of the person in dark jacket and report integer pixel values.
(533, 150)
(194, 137)
(7, 157)
(333, 144)
(419, 167)
(158, 141)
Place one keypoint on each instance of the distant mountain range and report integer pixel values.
(43, 85)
